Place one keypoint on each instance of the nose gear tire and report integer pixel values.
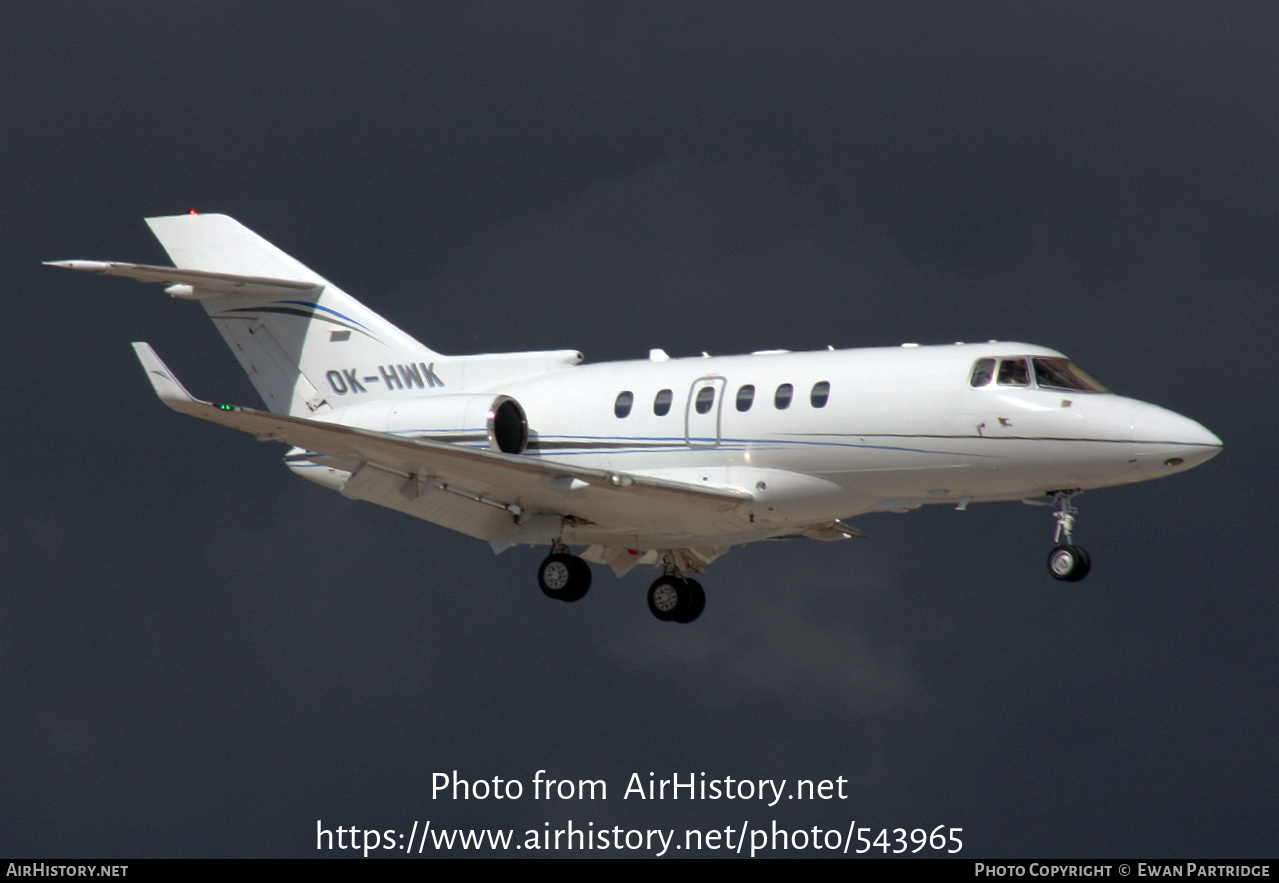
(1069, 563)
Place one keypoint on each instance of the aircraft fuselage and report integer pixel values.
(818, 436)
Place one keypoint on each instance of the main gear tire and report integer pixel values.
(564, 577)
(673, 598)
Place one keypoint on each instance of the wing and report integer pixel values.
(503, 498)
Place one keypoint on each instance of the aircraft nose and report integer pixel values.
(1168, 442)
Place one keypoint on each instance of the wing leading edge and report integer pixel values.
(445, 483)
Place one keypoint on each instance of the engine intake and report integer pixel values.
(507, 426)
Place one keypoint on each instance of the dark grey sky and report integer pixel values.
(201, 656)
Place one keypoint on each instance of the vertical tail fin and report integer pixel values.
(297, 348)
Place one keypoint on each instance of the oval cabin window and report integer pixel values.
(820, 394)
(705, 398)
(662, 403)
(782, 399)
(622, 407)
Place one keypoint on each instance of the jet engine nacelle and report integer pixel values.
(462, 419)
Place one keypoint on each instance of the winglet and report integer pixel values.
(167, 387)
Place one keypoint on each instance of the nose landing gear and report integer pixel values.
(1067, 562)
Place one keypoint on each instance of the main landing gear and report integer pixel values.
(563, 576)
(1067, 562)
(672, 598)
(676, 598)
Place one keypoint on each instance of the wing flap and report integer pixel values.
(425, 501)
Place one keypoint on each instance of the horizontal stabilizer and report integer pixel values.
(195, 284)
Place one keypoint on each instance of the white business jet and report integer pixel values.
(665, 461)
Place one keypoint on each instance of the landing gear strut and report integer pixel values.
(676, 598)
(1067, 562)
(563, 576)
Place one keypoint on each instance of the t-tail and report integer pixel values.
(306, 345)
(300, 337)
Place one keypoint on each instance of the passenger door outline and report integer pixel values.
(703, 430)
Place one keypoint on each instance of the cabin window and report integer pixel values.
(820, 394)
(782, 399)
(705, 398)
(622, 407)
(662, 404)
(983, 371)
(1013, 372)
(745, 397)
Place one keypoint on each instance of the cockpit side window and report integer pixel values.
(983, 371)
(1013, 372)
(1063, 374)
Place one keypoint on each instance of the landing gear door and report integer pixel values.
(701, 414)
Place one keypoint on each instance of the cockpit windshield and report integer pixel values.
(1053, 373)
(1049, 373)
